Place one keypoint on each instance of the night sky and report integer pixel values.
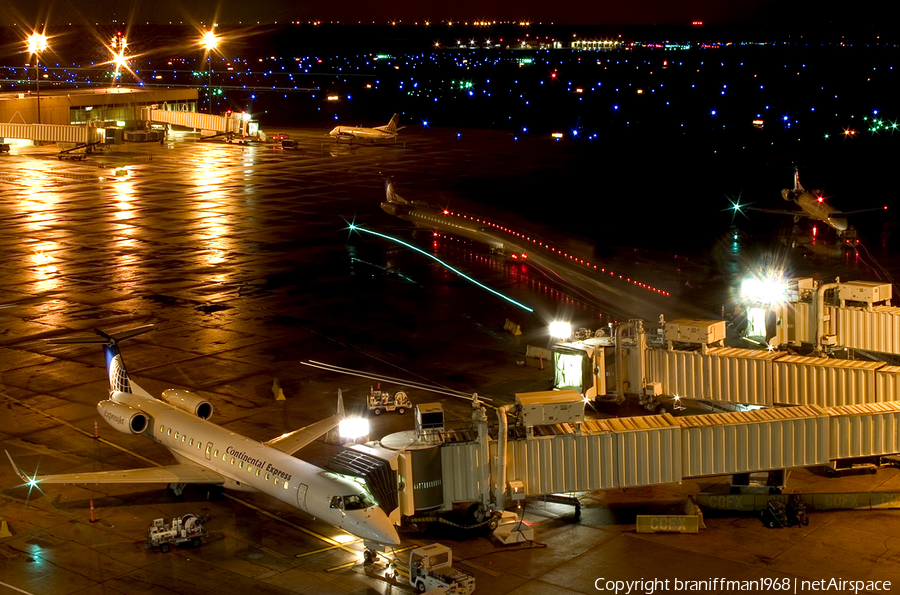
(711, 12)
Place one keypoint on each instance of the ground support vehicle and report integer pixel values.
(431, 567)
(774, 515)
(796, 511)
(380, 401)
(186, 529)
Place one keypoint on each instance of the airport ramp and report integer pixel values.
(54, 133)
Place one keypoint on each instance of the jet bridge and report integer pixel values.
(81, 136)
(228, 125)
(827, 316)
(590, 455)
(650, 367)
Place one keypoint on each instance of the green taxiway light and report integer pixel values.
(442, 263)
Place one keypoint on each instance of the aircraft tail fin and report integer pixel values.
(115, 365)
(390, 127)
(391, 195)
(797, 186)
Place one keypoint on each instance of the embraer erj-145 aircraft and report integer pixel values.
(812, 206)
(210, 454)
(373, 134)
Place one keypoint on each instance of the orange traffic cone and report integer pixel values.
(96, 433)
(93, 520)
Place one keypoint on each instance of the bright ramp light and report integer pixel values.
(210, 40)
(560, 330)
(354, 427)
(37, 42)
(768, 290)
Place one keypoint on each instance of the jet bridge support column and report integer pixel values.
(820, 313)
(635, 353)
(502, 440)
(479, 418)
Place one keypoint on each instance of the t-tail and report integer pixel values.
(119, 380)
(391, 195)
(390, 127)
(797, 187)
(797, 191)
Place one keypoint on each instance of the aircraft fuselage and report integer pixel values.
(250, 465)
(361, 133)
(815, 208)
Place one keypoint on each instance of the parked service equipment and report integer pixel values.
(431, 567)
(380, 401)
(774, 515)
(186, 529)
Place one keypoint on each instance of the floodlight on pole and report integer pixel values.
(209, 41)
(37, 43)
(117, 46)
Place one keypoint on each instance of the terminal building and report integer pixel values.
(104, 107)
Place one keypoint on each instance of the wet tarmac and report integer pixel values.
(242, 258)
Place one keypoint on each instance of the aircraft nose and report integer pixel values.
(839, 223)
(373, 525)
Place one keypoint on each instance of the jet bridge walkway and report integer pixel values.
(82, 137)
(229, 125)
(651, 450)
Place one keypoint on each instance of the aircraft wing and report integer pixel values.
(793, 213)
(869, 210)
(168, 474)
(293, 441)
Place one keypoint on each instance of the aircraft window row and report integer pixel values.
(250, 468)
(162, 429)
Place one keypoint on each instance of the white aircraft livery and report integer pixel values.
(210, 454)
(373, 134)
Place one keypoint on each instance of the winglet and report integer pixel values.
(15, 468)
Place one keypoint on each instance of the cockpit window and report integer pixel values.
(353, 502)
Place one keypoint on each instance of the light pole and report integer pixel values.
(37, 43)
(119, 43)
(209, 41)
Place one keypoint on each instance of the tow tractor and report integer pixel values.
(380, 401)
(185, 529)
(431, 567)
